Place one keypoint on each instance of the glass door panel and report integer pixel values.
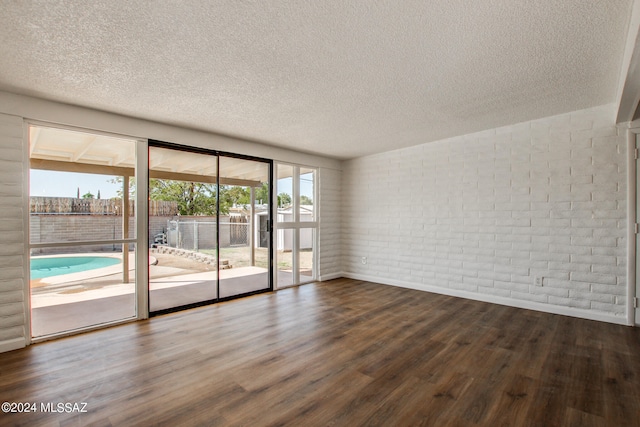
(183, 229)
(244, 226)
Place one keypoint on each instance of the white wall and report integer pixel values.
(12, 232)
(329, 249)
(480, 215)
(14, 109)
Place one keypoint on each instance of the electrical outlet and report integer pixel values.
(364, 259)
(538, 280)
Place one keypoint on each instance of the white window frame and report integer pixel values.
(296, 225)
(140, 241)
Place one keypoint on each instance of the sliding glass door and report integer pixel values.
(206, 210)
(183, 231)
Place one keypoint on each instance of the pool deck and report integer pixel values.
(62, 309)
(79, 300)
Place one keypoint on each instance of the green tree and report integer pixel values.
(262, 194)
(88, 195)
(284, 199)
(199, 198)
(234, 195)
(132, 186)
(242, 196)
(305, 200)
(193, 198)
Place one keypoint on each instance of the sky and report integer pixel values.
(65, 184)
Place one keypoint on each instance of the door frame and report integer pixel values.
(633, 238)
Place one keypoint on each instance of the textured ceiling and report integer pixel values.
(339, 78)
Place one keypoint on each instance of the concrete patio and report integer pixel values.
(79, 300)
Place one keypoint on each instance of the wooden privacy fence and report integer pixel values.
(239, 230)
(162, 208)
(71, 205)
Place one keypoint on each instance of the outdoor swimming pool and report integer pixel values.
(56, 266)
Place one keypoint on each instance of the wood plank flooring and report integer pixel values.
(339, 353)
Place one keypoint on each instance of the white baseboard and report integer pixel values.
(529, 305)
(13, 344)
(331, 276)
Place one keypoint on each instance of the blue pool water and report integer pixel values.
(47, 267)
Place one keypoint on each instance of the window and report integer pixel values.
(82, 229)
(296, 225)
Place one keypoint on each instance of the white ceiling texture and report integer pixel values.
(338, 78)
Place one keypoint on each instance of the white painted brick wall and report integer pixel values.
(329, 260)
(12, 259)
(486, 212)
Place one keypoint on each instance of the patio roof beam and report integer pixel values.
(208, 179)
(240, 169)
(54, 165)
(86, 146)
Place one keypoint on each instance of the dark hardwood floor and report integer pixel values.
(339, 353)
